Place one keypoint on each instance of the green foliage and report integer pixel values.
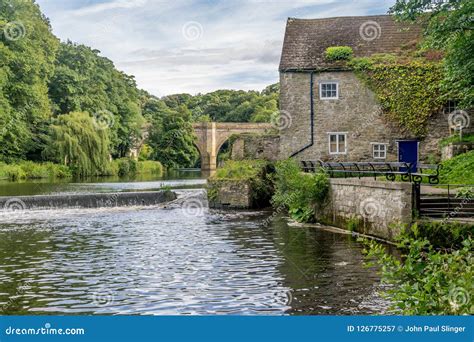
(41, 79)
(31, 170)
(338, 53)
(229, 105)
(145, 152)
(75, 141)
(126, 167)
(150, 167)
(26, 63)
(449, 28)
(353, 223)
(240, 170)
(85, 81)
(408, 90)
(455, 138)
(170, 134)
(257, 173)
(301, 193)
(440, 234)
(458, 170)
(427, 281)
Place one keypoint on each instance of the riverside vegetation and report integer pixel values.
(64, 103)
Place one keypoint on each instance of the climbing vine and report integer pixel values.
(409, 90)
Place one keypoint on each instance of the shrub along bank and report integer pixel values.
(301, 193)
(435, 274)
(121, 167)
(241, 184)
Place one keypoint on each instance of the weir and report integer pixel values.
(95, 200)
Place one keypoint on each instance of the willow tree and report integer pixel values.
(78, 142)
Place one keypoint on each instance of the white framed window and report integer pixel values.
(450, 106)
(379, 150)
(337, 142)
(329, 90)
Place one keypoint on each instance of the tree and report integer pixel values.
(171, 136)
(27, 54)
(449, 28)
(75, 140)
(85, 81)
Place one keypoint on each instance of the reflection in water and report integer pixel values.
(161, 260)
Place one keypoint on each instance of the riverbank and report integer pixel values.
(27, 170)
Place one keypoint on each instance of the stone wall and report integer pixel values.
(233, 194)
(374, 206)
(252, 146)
(356, 113)
(454, 149)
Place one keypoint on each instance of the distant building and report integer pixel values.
(331, 114)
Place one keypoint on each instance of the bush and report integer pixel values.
(300, 193)
(240, 170)
(440, 234)
(257, 173)
(32, 170)
(338, 53)
(150, 167)
(124, 167)
(427, 282)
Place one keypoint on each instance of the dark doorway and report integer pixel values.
(408, 153)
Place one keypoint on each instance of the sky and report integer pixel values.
(186, 46)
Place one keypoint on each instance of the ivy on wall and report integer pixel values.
(408, 89)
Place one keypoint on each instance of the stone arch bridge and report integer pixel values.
(212, 135)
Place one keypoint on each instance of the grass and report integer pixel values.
(458, 170)
(455, 139)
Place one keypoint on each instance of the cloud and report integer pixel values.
(237, 44)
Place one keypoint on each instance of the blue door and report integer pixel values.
(408, 153)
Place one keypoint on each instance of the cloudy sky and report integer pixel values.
(176, 46)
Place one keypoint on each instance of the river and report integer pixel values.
(170, 260)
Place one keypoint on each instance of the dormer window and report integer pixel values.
(328, 90)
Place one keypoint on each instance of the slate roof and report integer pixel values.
(306, 40)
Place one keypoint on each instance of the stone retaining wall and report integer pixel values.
(454, 149)
(373, 207)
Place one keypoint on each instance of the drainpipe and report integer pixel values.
(311, 115)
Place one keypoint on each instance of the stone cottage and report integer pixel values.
(327, 112)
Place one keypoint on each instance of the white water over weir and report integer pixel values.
(96, 200)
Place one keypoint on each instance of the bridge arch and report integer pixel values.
(212, 135)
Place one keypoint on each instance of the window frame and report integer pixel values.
(321, 90)
(337, 134)
(373, 144)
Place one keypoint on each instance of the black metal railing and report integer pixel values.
(390, 170)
